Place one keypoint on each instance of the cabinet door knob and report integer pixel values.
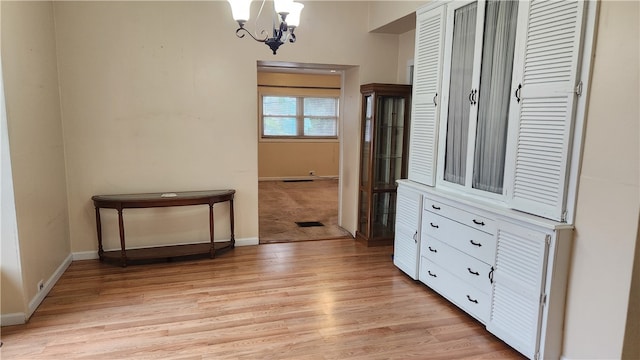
(434, 225)
(415, 237)
(491, 275)
(432, 249)
(431, 274)
(473, 272)
(472, 300)
(434, 99)
(518, 93)
(475, 243)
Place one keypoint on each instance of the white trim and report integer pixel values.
(432, 5)
(588, 53)
(48, 285)
(410, 70)
(247, 241)
(85, 255)
(13, 319)
(283, 178)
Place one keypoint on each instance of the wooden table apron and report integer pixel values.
(151, 200)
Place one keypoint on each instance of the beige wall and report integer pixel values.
(296, 159)
(160, 96)
(12, 300)
(36, 143)
(608, 196)
(384, 15)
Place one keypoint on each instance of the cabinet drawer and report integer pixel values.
(466, 297)
(472, 219)
(478, 244)
(470, 270)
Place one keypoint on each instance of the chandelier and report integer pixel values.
(285, 20)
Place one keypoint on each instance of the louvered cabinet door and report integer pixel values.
(426, 95)
(406, 248)
(543, 106)
(518, 286)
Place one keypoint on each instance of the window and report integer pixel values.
(477, 112)
(299, 117)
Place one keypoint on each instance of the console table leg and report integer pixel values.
(233, 238)
(123, 253)
(99, 229)
(211, 232)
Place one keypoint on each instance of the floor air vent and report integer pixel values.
(309, 223)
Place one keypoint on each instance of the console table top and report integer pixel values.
(163, 195)
(143, 200)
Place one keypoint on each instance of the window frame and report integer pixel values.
(300, 95)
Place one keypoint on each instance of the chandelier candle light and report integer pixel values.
(288, 18)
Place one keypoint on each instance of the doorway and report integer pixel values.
(298, 152)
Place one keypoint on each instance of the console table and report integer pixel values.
(151, 200)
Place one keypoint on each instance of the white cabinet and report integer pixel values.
(458, 247)
(426, 92)
(494, 152)
(529, 283)
(406, 243)
(545, 90)
(505, 268)
(494, 100)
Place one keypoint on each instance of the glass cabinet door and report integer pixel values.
(385, 118)
(480, 54)
(388, 142)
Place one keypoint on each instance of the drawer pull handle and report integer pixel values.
(491, 275)
(473, 272)
(415, 237)
(472, 300)
(431, 274)
(435, 207)
(481, 223)
(433, 225)
(475, 243)
(432, 249)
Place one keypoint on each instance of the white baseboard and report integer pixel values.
(247, 241)
(85, 255)
(13, 319)
(92, 255)
(48, 285)
(282, 178)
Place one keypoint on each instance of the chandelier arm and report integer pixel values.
(241, 35)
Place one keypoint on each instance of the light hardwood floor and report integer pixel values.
(306, 300)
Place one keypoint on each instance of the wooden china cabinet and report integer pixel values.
(383, 159)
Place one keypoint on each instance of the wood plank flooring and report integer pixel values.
(334, 299)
